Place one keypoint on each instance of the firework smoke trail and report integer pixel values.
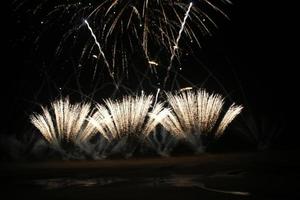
(177, 42)
(100, 50)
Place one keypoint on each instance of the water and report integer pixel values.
(180, 180)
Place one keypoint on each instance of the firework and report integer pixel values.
(175, 47)
(132, 115)
(100, 49)
(64, 123)
(156, 96)
(231, 113)
(195, 115)
(133, 120)
(127, 120)
(123, 29)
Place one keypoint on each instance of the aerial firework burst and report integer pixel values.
(123, 30)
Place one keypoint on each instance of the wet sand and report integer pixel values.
(268, 175)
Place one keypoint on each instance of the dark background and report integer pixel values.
(250, 56)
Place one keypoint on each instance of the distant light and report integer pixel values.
(94, 56)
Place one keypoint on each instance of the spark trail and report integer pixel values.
(143, 29)
(100, 50)
(177, 42)
(156, 96)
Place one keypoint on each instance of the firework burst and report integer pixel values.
(195, 115)
(128, 120)
(64, 124)
(123, 29)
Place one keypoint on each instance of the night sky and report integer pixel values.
(249, 57)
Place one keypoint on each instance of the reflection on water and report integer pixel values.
(195, 181)
(174, 180)
(57, 183)
(229, 174)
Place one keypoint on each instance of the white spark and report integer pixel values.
(156, 96)
(197, 114)
(183, 24)
(153, 63)
(186, 88)
(127, 117)
(232, 112)
(99, 47)
(177, 41)
(64, 122)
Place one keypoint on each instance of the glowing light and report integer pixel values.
(175, 47)
(153, 63)
(232, 112)
(183, 25)
(156, 96)
(128, 117)
(99, 48)
(67, 123)
(121, 27)
(186, 88)
(195, 114)
(192, 116)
